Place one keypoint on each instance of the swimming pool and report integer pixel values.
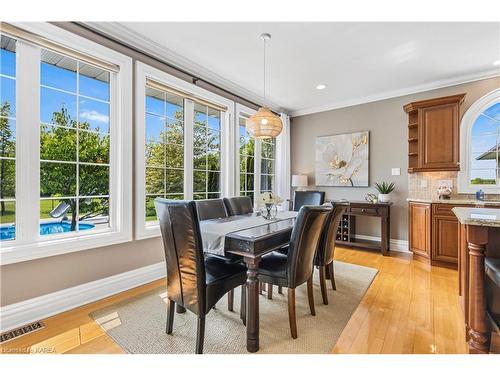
(8, 233)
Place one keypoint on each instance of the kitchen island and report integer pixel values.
(479, 236)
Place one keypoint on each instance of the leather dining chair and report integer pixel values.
(211, 209)
(492, 287)
(295, 267)
(194, 281)
(238, 205)
(326, 249)
(309, 197)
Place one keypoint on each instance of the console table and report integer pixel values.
(346, 231)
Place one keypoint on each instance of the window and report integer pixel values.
(256, 166)
(247, 161)
(206, 152)
(164, 148)
(181, 146)
(66, 165)
(267, 165)
(74, 145)
(481, 143)
(7, 139)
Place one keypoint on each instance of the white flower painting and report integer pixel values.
(342, 160)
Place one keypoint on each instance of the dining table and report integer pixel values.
(250, 236)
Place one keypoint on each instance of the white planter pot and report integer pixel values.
(383, 198)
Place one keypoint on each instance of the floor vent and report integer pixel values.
(21, 331)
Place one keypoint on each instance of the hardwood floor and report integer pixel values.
(410, 307)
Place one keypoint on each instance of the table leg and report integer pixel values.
(180, 309)
(384, 234)
(252, 304)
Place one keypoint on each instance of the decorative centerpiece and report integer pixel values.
(444, 191)
(370, 197)
(269, 201)
(384, 189)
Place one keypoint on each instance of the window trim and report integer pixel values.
(466, 124)
(28, 244)
(143, 71)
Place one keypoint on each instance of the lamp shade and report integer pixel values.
(264, 124)
(299, 180)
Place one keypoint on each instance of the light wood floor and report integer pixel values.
(409, 308)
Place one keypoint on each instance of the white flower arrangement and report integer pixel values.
(270, 198)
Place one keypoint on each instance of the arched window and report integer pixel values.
(480, 146)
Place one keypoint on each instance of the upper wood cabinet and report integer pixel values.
(434, 134)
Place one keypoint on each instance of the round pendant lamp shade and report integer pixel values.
(264, 124)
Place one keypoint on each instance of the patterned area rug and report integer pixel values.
(138, 324)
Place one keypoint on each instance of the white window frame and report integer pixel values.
(149, 229)
(28, 243)
(468, 120)
(244, 111)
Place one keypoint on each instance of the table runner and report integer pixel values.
(213, 232)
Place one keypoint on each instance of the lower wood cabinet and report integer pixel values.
(434, 233)
(420, 229)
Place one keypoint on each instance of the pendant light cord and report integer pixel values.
(265, 72)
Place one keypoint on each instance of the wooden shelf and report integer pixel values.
(412, 153)
(413, 125)
(414, 139)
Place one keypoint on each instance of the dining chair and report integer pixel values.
(326, 249)
(309, 197)
(238, 205)
(211, 209)
(492, 295)
(295, 267)
(194, 281)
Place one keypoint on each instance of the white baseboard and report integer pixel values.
(395, 244)
(21, 313)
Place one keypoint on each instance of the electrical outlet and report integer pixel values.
(423, 183)
(396, 171)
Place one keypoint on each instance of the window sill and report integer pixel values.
(47, 248)
(149, 230)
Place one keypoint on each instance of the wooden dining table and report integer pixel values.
(251, 240)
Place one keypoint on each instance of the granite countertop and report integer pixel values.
(456, 201)
(489, 217)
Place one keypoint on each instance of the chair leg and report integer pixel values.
(243, 305)
(230, 300)
(332, 276)
(310, 295)
(280, 290)
(200, 335)
(269, 291)
(260, 287)
(291, 312)
(170, 316)
(263, 286)
(322, 284)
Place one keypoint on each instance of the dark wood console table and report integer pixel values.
(346, 232)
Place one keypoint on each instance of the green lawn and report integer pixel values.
(45, 207)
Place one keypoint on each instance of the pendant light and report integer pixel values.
(264, 123)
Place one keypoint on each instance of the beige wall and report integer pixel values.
(387, 123)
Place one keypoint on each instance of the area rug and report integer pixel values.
(138, 324)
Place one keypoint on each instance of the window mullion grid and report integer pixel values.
(77, 146)
(164, 141)
(188, 148)
(256, 169)
(27, 143)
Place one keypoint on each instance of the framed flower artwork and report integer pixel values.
(343, 159)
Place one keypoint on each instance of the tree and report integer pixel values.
(59, 143)
(7, 149)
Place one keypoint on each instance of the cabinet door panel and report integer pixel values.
(446, 239)
(439, 137)
(419, 222)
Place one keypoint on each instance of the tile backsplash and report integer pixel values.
(423, 185)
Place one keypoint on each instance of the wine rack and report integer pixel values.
(346, 229)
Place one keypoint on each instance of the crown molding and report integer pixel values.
(400, 92)
(122, 33)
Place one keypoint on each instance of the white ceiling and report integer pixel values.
(359, 62)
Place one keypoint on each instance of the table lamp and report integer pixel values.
(299, 181)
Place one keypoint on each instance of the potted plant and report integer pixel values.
(384, 189)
